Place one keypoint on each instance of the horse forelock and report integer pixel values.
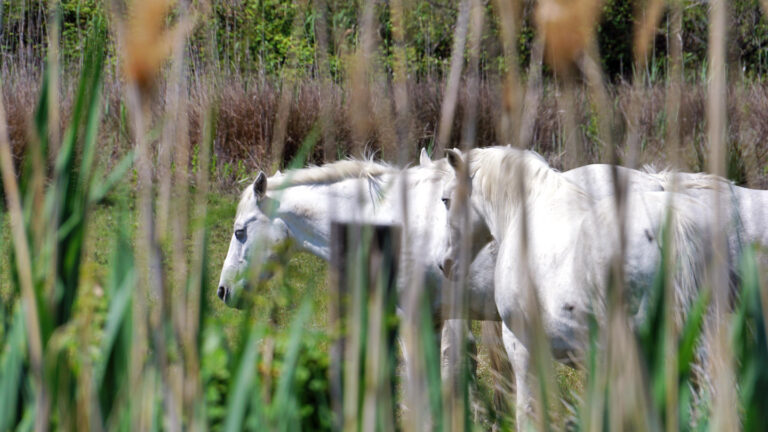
(247, 201)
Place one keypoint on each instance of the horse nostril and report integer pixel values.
(447, 267)
(221, 292)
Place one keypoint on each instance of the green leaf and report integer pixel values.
(238, 396)
(11, 371)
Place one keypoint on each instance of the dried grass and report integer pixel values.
(246, 117)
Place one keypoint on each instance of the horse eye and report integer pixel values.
(240, 235)
(446, 202)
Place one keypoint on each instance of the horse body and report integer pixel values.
(597, 180)
(571, 241)
(753, 209)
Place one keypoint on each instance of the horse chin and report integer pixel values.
(241, 301)
(244, 299)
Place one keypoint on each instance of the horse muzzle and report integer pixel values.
(447, 267)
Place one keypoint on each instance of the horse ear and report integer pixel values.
(260, 185)
(424, 159)
(455, 159)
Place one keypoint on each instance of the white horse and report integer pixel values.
(745, 208)
(300, 205)
(597, 180)
(572, 240)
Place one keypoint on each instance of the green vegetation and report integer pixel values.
(257, 36)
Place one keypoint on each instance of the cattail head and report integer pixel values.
(147, 40)
(568, 28)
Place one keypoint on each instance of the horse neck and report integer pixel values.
(544, 191)
(305, 212)
(752, 207)
(308, 210)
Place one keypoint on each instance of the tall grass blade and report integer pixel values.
(244, 381)
(750, 344)
(111, 372)
(11, 372)
(285, 409)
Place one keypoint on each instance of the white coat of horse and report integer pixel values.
(572, 240)
(300, 205)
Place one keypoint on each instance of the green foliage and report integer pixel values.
(11, 371)
(257, 35)
(76, 17)
(614, 37)
(265, 36)
(750, 342)
(57, 248)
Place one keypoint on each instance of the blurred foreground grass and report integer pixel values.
(305, 274)
(304, 278)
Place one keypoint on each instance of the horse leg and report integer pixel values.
(519, 357)
(502, 374)
(451, 337)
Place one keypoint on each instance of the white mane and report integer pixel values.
(330, 173)
(494, 172)
(317, 175)
(667, 177)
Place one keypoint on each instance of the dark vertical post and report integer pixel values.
(362, 319)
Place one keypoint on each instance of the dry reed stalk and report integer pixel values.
(477, 22)
(193, 391)
(646, 29)
(674, 155)
(53, 86)
(574, 146)
(725, 399)
(146, 43)
(324, 72)
(384, 118)
(600, 102)
(288, 85)
(415, 391)
(568, 32)
(675, 83)
(185, 310)
(453, 396)
(629, 408)
(147, 255)
(512, 130)
(512, 94)
(178, 198)
(451, 92)
(403, 117)
(361, 115)
(24, 268)
(532, 92)
(534, 338)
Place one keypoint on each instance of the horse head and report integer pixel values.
(467, 230)
(256, 233)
